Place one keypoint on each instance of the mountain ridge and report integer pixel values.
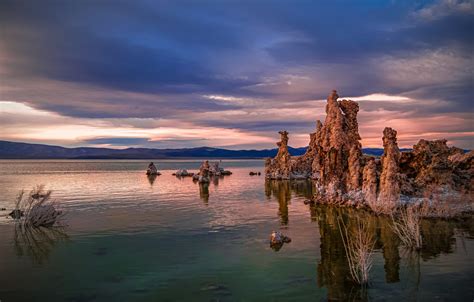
(21, 150)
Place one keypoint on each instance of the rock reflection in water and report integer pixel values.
(389, 243)
(333, 268)
(282, 191)
(215, 180)
(37, 243)
(204, 187)
(438, 237)
(204, 192)
(151, 178)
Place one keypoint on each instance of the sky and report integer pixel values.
(231, 74)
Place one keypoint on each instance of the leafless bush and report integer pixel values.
(36, 209)
(406, 224)
(359, 245)
(382, 207)
(439, 206)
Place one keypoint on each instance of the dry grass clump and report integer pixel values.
(407, 226)
(36, 209)
(359, 244)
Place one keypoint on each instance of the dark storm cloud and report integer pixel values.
(53, 40)
(174, 47)
(163, 59)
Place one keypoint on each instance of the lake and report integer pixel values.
(131, 238)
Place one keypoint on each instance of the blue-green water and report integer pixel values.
(130, 238)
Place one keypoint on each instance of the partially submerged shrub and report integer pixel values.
(36, 209)
(407, 225)
(359, 244)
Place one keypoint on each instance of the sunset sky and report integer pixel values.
(232, 73)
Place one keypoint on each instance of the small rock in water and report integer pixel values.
(277, 239)
(182, 173)
(308, 201)
(152, 170)
(3, 209)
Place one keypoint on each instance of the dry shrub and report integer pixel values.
(359, 244)
(36, 209)
(383, 206)
(407, 226)
(445, 206)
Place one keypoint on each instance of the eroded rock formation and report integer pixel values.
(280, 166)
(369, 181)
(389, 179)
(433, 166)
(203, 175)
(337, 162)
(152, 170)
(343, 175)
(216, 170)
(206, 171)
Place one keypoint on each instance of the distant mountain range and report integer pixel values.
(14, 150)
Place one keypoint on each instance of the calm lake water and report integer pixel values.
(131, 238)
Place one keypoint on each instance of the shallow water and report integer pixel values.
(131, 238)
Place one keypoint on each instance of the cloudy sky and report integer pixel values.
(232, 73)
